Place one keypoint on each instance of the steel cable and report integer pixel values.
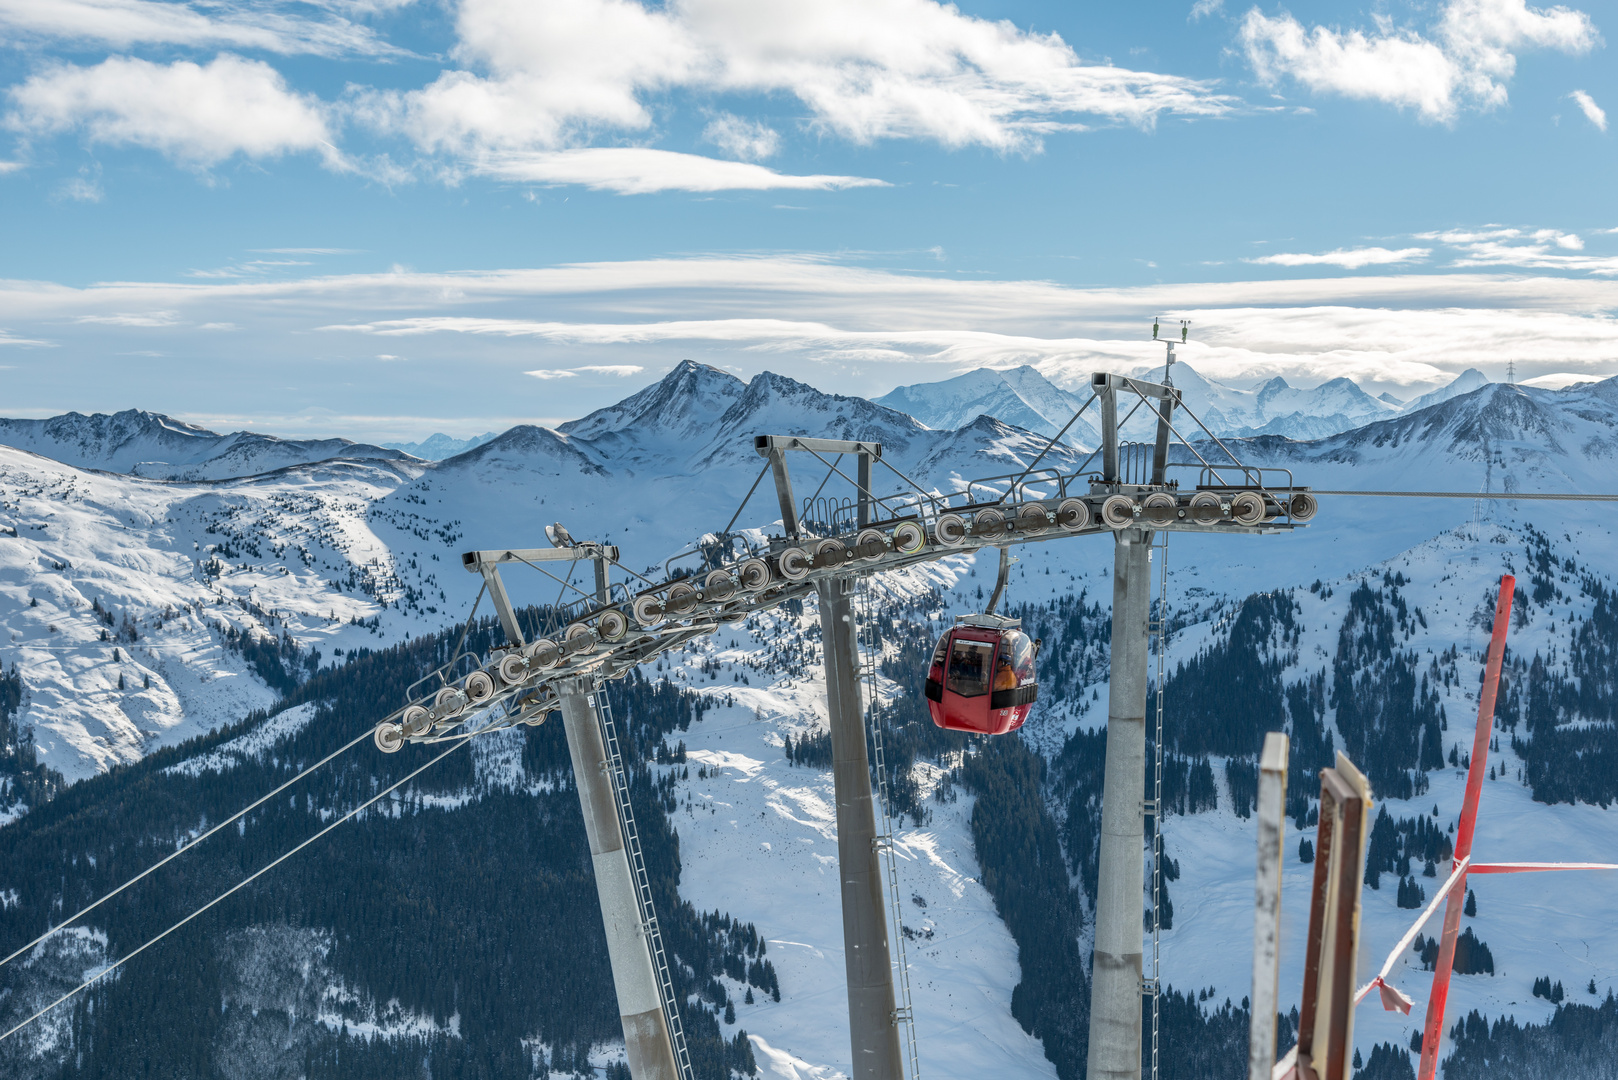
(234, 888)
(59, 927)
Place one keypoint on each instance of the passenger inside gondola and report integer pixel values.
(969, 667)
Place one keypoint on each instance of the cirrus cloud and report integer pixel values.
(1347, 258)
(120, 24)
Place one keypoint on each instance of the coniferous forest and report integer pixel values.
(473, 936)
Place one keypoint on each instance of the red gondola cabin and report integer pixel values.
(982, 676)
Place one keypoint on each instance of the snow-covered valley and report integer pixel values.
(126, 600)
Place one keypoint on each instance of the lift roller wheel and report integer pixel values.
(831, 553)
(1247, 508)
(612, 625)
(512, 669)
(648, 610)
(949, 530)
(1073, 514)
(1118, 512)
(580, 638)
(988, 523)
(794, 563)
(544, 654)
(681, 599)
(1206, 508)
(448, 702)
(479, 687)
(718, 586)
(871, 545)
(909, 538)
(1160, 508)
(754, 574)
(1302, 506)
(389, 738)
(1032, 518)
(415, 721)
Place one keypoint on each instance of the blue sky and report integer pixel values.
(377, 218)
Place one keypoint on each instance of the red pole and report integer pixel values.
(1434, 1030)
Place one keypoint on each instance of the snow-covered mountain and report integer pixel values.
(438, 446)
(1276, 407)
(344, 553)
(1020, 396)
(1025, 398)
(1464, 383)
(123, 599)
(150, 444)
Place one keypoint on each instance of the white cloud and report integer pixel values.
(1203, 8)
(199, 115)
(149, 318)
(551, 373)
(120, 24)
(10, 167)
(1592, 112)
(1467, 58)
(742, 138)
(1539, 249)
(636, 170)
(621, 370)
(1348, 258)
(80, 189)
(545, 74)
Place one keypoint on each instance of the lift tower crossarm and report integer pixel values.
(488, 563)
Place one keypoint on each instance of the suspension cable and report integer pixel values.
(1506, 495)
(59, 927)
(239, 885)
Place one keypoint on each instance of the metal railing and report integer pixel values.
(903, 1012)
(643, 885)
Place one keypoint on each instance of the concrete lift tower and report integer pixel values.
(1127, 490)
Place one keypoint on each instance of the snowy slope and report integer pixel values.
(757, 835)
(1467, 381)
(157, 446)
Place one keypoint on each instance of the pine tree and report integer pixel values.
(730, 1012)
(1306, 851)
(1471, 907)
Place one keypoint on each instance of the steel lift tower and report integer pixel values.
(1129, 491)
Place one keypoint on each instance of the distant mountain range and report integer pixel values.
(153, 445)
(438, 446)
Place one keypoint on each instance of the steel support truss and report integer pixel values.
(1124, 490)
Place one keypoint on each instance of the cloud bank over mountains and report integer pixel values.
(393, 356)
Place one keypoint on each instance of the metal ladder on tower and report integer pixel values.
(643, 886)
(1158, 629)
(870, 654)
